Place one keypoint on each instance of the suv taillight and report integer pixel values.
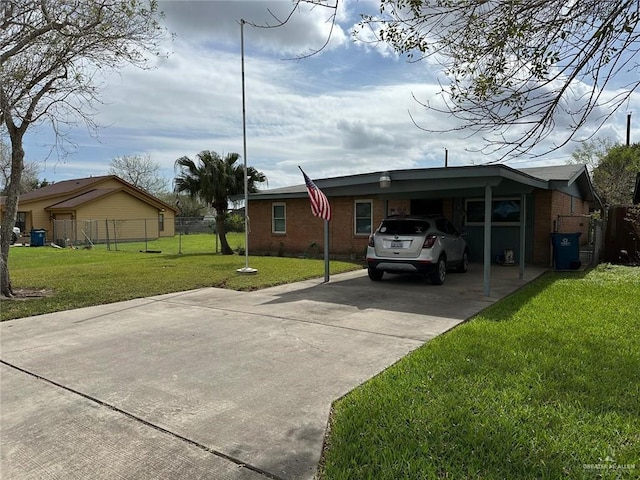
(371, 240)
(429, 241)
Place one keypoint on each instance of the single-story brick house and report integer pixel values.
(527, 205)
(98, 208)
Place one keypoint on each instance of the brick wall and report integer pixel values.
(548, 205)
(304, 230)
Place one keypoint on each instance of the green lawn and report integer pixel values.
(542, 385)
(81, 277)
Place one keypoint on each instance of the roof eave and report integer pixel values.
(447, 178)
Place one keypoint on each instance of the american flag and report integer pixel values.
(319, 204)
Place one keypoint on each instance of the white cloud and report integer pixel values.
(219, 21)
(344, 111)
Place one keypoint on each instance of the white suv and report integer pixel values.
(428, 245)
(15, 234)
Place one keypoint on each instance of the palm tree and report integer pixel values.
(213, 179)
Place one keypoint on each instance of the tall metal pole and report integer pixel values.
(246, 268)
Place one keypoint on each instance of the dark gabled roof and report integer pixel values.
(566, 175)
(464, 180)
(555, 172)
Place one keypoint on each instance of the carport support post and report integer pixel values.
(487, 241)
(523, 229)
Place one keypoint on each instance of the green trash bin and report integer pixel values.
(38, 238)
(566, 250)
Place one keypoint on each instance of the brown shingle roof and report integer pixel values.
(81, 187)
(62, 188)
(83, 198)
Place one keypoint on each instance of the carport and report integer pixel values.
(485, 182)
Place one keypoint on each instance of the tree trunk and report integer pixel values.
(5, 282)
(222, 233)
(11, 208)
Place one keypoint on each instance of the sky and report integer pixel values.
(346, 110)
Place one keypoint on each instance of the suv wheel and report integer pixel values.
(375, 275)
(464, 263)
(440, 273)
(14, 238)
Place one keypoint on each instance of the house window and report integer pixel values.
(363, 217)
(21, 221)
(161, 222)
(279, 218)
(504, 211)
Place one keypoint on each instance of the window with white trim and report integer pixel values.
(363, 218)
(504, 211)
(279, 218)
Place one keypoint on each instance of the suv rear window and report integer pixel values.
(404, 227)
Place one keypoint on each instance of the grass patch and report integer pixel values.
(544, 384)
(80, 278)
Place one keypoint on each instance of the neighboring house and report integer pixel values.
(527, 205)
(95, 208)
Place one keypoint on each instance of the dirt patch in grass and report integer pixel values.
(29, 294)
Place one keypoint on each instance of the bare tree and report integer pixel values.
(30, 180)
(51, 52)
(514, 69)
(591, 152)
(141, 172)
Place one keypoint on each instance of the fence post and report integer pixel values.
(106, 224)
(115, 234)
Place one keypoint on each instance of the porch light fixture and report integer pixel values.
(385, 180)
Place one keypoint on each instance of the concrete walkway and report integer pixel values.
(211, 383)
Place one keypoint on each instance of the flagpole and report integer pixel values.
(320, 207)
(326, 251)
(246, 268)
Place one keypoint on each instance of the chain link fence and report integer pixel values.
(183, 235)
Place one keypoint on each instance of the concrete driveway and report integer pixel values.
(211, 383)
